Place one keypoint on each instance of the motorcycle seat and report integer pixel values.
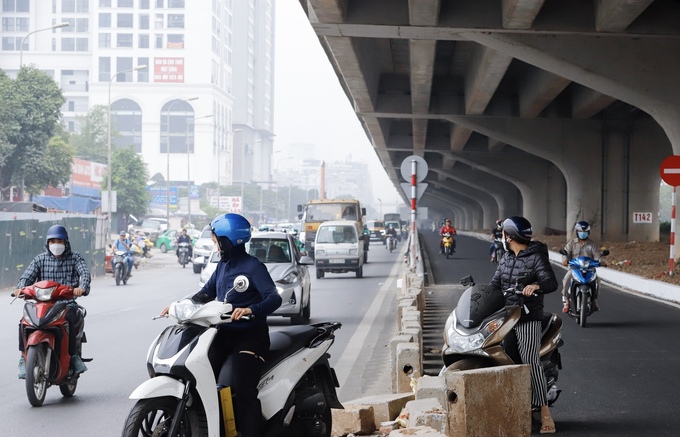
(287, 341)
(546, 323)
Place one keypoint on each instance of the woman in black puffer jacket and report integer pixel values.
(528, 261)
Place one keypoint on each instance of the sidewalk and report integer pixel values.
(624, 281)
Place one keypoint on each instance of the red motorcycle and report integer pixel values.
(44, 331)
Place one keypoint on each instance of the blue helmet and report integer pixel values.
(235, 227)
(57, 231)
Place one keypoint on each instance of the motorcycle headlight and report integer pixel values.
(289, 278)
(460, 342)
(44, 294)
(183, 309)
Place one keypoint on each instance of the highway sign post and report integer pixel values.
(670, 173)
(414, 168)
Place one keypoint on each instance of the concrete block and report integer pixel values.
(422, 431)
(415, 331)
(408, 365)
(427, 412)
(396, 340)
(354, 419)
(404, 303)
(493, 401)
(386, 407)
(432, 387)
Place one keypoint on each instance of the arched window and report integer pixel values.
(181, 128)
(126, 121)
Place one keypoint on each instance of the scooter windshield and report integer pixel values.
(477, 303)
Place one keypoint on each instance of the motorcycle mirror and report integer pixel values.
(563, 252)
(605, 252)
(467, 281)
(241, 283)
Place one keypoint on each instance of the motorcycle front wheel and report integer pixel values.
(119, 274)
(583, 309)
(36, 374)
(153, 417)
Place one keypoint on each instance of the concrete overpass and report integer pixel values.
(556, 110)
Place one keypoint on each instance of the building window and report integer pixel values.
(158, 21)
(175, 4)
(68, 6)
(159, 41)
(8, 24)
(68, 44)
(144, 21)
(126, 119)
(104, 69)
(104, 40)
(125, 3)
(104, 3)
(124, 20)
(143, 4)
(143, 41)
(159, 3)
(124, 40)
(22, 24)
(71, 25)
(82, 25)
(15, 5)
(72, 127)
(82, 44)
(180, 128)
(83, 6)
(175, 41)
(143, 75)
(176, 21)
(105, 20)
(124, 64)
(71, 106)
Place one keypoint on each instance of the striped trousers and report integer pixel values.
(529, 343)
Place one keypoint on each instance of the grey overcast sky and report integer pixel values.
(310, 105)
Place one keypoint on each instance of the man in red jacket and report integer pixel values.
(447, 228)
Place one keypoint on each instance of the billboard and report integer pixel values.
(159, 194)
(87, 174)
(226, 203)
(168, 70)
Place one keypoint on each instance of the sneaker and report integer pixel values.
(22, 368)
(77, 364)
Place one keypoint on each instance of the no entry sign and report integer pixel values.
(670, 170)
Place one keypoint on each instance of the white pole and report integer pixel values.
(414, 193)
(672, 255)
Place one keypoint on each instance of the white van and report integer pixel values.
(339, 248)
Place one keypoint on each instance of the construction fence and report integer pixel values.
(23, 237)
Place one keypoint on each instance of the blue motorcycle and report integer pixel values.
(583, 287)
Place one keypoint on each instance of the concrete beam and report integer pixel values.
(459, 137)
(586, 102)
(329, 11)
(485, 73)
(520, 14)
(423, 12)
(537, 89)
(495, 145)
(489, 207)
(421, 67)
(617, 15)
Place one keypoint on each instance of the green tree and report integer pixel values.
(91, 140)
(29, 116)
(128, 179)
(56, 161)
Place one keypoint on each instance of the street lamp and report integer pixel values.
(380, 213)
(167, 152)
(110, 199)
(21, 51)
(277, 187)
(189, 162)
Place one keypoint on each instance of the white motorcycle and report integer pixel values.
(296, 390)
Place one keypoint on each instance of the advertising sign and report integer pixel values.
(226, 203)
(87, 173)
(159, 195)
(168, 70)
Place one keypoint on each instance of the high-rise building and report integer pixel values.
(180, 112)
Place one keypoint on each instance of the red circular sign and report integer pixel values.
(670, 170)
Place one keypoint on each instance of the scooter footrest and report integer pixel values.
(87, 360)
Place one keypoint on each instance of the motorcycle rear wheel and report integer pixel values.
(36, 379)
(150, 417)
(583, 305)
(68, 389)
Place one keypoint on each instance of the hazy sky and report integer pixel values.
(310, 105)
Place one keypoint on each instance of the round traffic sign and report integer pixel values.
(421, 168)
(670, 170)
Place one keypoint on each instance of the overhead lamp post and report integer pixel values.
(21, 50)
(189, 163)
(110, 168)
(167, 152)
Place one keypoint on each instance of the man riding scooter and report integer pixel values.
(58, 263)
(125, 245)
(447, 229)
(184, 238)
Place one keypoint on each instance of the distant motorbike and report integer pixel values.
(476, 334)
(45, 334)
(583, 286)
(391, 242)
(182, 398)
(498, 250)
(120, 269)
(183, 254)
(145, 245)
(447, 244)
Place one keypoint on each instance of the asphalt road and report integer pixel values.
(619, 373)
(120, 328)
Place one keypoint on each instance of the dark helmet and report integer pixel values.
(233, 227)
(518, 228)
(57, 231)
(582, 226)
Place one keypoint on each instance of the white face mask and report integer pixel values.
(57, 249)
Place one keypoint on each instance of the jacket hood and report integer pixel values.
(534, 247)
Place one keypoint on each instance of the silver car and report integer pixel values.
(287, 267)
(202, 249)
